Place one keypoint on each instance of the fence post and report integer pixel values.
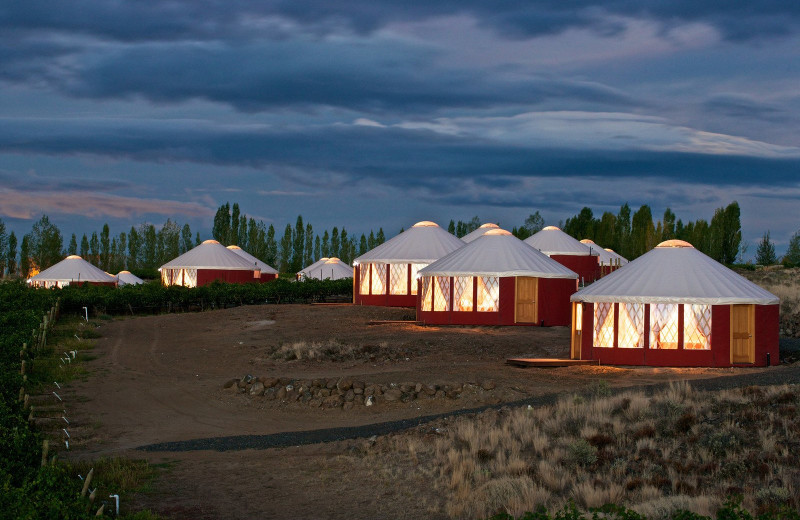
(86, 482)
(45, 449)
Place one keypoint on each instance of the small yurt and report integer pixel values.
(268, 273)
(608, 262)
(327, 269)
(72, 270)
(387, 275)
(206, 263)
(469, 237)
(568, 252)
(616, 256)
(675, 306)
(496, 279)
(128, 278)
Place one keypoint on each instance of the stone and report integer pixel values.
(285, 381)
(429, 390)
(348, 405)
(488, 384)
(229, 383)
(358, 385)
(439, 394)
(349, 396)
(407, 387)
(291, 395)
(369, 390)
(257, 389)
(344, 384)
(418, 387)
(331, 384)
(315, 403)
(334, 401)
(370, 401)
(281, 393)
(241, 383)
(358, 391)
(270, 382)
(393, 394)
(358, 399)
(269, 394)
(318, 382)
(324, 392)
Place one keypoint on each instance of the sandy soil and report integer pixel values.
(160, 378)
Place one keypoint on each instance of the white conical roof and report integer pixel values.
(423, 243)
(479, 232)
(73, 269)
(553, 241)
(128, 278)
(329, 269)
(622, 260)
(497, 253)
(675, 272)
(310, 267)
(606, 258)
(254, 262)
(210, 255)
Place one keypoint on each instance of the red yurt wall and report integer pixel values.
(587, 267)
(206, 276)
(554, 306)
(719, 355)
(268, 277)
(384, 300)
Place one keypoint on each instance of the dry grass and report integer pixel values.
(679, 449)
(329, 350)
(785, 284)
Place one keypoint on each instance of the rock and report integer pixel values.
(318, 383)
(269, 394)
(347, 405)
(349, 396)
(315, 403)
(370, 401)
(285, 381)
(230, 383)
(418, 387)
(344, 384)
(281, 393)
(257, 389)
(241, 383)
(270, 382)
(439, 394)
(369, 390)
(407, 387)
(429, 390)
(358, 399)
(324, 392)
(488, 384)
(291, 395)
(334, 401)
(358, 391)
(393, 394)
(358, 385)
(331, 384)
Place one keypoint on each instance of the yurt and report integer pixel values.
(496, 279)
(621, 259)
(72, 270)
(329, 269)
(387, 275)
(268, 273)
(128, 278)
(469, 237)
(568, 252)
(608, 262)
(208, 262)
(675, 306)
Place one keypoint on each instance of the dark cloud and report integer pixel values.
(744, 107)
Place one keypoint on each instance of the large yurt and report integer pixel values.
(469, 237)
(128, 278)
(71, 270)
(568, 252)
(616, 256)
(327, 269)
(387, 275)
(675, 306)
(268, 273)
(496, 279)
(608, 262)
(206, 263)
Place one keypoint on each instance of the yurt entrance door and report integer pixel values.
(527, 290)
(742, 328)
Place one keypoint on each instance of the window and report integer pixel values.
(579, 316)
(462, 293)
(398, 279)
(696, 327)
(414, 270)
(364, 273)
(488, 294)
(631, 325)
(426, 293)
(378, 278)
(664, 325)
(441, 293)
(603, 325)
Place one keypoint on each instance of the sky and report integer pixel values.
(368, 114)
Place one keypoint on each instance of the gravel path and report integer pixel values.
(777, 376)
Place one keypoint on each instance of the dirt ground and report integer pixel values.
(158, 379)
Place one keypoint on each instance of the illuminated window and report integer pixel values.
(426, 293)
(190, 277)
(414, 269)
(378, 278)
(462, 293)
(398, 279)
(631, 325)
(696, 327)
(441, 293)
(364, 274)
(603, 325)
(488, 294)
(664, 325)
(578, 316)
(166, 276)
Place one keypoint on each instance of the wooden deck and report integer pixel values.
(393, 322)
(549, 362)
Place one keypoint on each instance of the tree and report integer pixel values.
(317, 248)
(85, 248)
(668, 225)
(533, 224)
(186, 238)
(134, 248)
(326, 245)
(335, 242)
(170, 240)
(233, 234)
(642, 237)
(286, 250)
(197, 239)
(765, 253)
(581, 225)
(371, 241)
(72, 248)
(105, 247)
(298, 244)
(242, 240)
(344, 249)
(94, 249)
(149, 246)
(45, 244)
(11, 256)
(3, 246)
(380, 238)
(122, 246)
(792, 257)
(222, 224)
(622, 233)
(451, 227)
(271, 248)
(25, 257)
(308, 253)
(604, 230)
(363, 245)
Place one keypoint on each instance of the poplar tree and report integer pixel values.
(25, 257)
(233, 233)
(335, 242)
(792, 257)
(46, 245)
(11, 255)
(286, 250)
(298, 244)
(308, 252)
(765, 253)
(3, 248)
(134, 248)
(94, 249)
(105, 248)
(271, 249)
(326, 245)
(85, 248)
(186, 239)
(72, 248)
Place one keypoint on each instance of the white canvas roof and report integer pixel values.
(497, 253)
(210, 255)
(553, 241)
(617, 256)
(675, 272)
(127, 278)
(311, 266)
(606, 258)
(423, 243)
(255, 262)
(478, 232)
(72, 269)
(329, 269)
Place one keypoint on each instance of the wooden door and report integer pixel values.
(742, 334)
(527, 294)
(577, 325)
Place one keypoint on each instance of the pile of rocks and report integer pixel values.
(346, 393)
